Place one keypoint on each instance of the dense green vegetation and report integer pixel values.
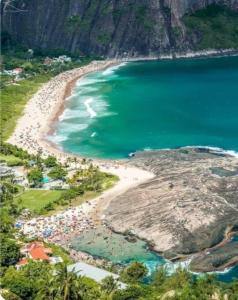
(213, 27)
(43, 281)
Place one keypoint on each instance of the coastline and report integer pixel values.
(129, 176)
(37, 121)
(41, 111)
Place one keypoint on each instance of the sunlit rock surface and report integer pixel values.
(187, 207)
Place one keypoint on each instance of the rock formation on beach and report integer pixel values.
(116, 28)
(187, 207)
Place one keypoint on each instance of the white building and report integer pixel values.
(97, 274)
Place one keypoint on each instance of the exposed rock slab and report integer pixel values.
(187, 206)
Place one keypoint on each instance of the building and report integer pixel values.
(6, 172)
(17, 71)
(38, 252)
(97, 274)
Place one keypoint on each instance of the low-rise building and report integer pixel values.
(97, 274)
(36, 251)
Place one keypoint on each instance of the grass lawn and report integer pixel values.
(35, 200)
(9, 159)
(74, 202)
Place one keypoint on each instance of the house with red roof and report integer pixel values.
(38, 252)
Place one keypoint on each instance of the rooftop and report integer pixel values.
(92, 272)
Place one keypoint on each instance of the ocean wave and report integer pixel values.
(71, 114)
(90, 111)
(58, 138)
(147, 149)
(213, 149)
(216, 150)
(88, 81)
(225, 271)
(111, 70)
(65, 130)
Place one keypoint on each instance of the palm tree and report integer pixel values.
(109, 285)
(69, 284)
(49, 288)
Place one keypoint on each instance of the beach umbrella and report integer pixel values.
(18, 225)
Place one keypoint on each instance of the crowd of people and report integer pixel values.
(43, 108)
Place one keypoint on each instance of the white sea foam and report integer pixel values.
(88, 81)
(217, 150)
(57, 138)
(73, 113)
(172, 267)
(69, 128)
(90, 111)
(111, 70)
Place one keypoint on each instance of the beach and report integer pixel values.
(41, 111)
(44, 108)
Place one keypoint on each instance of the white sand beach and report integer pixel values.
(43, 109)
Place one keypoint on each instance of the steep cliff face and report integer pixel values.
(103, 27)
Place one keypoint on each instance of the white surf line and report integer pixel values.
(91, 112)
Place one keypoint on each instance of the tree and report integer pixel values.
(6, 221)
(136, 271)
(159, 276)
(179, 279)
(9, 252)
(7, 295)
(49, 287)
(69, 284)
(109, 285)
(50, 162)
(57, 173)
(19, 284)
(35, 176)
(130, 293)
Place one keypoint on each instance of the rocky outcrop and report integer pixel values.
(186, 207)
(106, 27)
(218, 259)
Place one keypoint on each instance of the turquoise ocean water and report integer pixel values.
(150, 105)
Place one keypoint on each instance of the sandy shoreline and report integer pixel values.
(41, 111)
(44, 108)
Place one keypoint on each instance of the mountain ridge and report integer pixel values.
(111, 28)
